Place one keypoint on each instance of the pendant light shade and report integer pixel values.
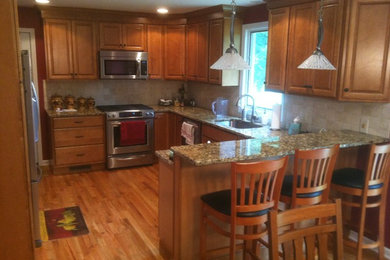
(231, 60)
(318, 61)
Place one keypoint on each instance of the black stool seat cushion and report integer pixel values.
(221, 202)
(287, 187)
(353, 178)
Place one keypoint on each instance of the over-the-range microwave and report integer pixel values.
(123, 65)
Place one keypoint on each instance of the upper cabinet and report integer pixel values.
(215, 49)
(155, 40)
(367, 62)
(119, 36)
(197, 39)
(70, 49)
(356, 41)
(174, 51)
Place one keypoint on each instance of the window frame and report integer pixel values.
(247, 30)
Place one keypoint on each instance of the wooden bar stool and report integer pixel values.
(370, 188)
(255, 189)
(310, 240)
(310, 182)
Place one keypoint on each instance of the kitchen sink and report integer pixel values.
(240, 124)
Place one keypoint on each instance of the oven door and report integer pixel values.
(115, 142)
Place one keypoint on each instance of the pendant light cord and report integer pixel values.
(320, 26)
(232, 48)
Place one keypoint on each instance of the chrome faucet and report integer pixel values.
(243, 110)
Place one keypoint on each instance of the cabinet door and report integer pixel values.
(203, 52)
(215, 49)
(110, 36)
(133, 37)
(174, 54)
(367, 63)
(192, 51)
(277, 48)
(58, 39)
(161, 131)
(155, 51)
(84, 50)
(301, 44)
(325, 81)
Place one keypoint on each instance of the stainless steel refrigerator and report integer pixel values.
(32, 119)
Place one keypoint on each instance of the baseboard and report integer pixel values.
(353, 236)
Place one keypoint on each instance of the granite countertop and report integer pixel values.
(251, 149)
(89, 112)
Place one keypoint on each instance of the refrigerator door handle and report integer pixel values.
(39, 177)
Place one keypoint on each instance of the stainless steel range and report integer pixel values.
(129, 134)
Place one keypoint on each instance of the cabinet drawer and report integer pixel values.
(78, 136)
(77, 121)
(80, 154)
(217, 135)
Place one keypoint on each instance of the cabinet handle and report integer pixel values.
(346, 89)
(79, 136)
(78, 122)
(80, 154)
(124, 45)
(307, 86)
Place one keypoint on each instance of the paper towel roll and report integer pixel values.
(276, 113)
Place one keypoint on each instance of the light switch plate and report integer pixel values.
(364, 124)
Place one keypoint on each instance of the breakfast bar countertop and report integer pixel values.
(258, 149)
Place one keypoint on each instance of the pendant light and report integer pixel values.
(318, 61)
(231, 60)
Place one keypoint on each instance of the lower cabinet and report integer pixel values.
(161, 131)
(77, 143)
(212, 134)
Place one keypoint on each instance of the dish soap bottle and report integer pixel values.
(295, 126)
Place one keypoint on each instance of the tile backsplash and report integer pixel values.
(317, 113)
(108, 92)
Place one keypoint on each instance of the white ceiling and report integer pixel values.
(148, 6)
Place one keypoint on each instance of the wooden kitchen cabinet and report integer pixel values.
(197, 40)
(302, 41)
(77, 143)
(117, 36)
(70, 49)
(213, 134)
(174, 51)
(367, 62)
(277, 48)
(161, 131)
(356, 41)
(155, 42)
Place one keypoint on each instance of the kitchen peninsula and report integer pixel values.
(198, 169)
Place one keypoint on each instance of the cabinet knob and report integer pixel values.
(346, 89)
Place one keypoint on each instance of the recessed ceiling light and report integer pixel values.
(162, 10)
(42, 1)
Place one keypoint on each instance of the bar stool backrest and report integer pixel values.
(378, 168)
(256, 186)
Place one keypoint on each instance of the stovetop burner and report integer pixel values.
(131, 111)
(118, 108)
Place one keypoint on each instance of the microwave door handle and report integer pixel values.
(138, 68)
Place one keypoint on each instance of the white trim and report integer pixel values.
(353, 236)
(34, 67)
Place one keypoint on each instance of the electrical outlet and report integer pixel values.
(364, 123)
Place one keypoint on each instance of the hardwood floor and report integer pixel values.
(120, 208)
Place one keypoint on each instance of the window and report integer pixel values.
(255, 53)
